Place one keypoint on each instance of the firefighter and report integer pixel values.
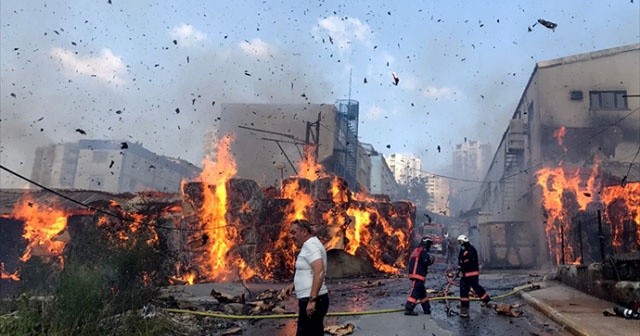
(419, 261)
(470, 272)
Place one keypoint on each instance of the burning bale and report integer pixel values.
(252, 230)
(220, 228)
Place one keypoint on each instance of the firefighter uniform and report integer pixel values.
(419, 261)
(470, 273)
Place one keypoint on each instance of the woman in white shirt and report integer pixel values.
(308, 281)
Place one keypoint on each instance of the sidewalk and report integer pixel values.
(578, 312)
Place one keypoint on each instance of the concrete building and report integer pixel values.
(405, 167)
(438, 190)
(269, 139)
(470, 162)
(363, 175)
(578, 114)
(55, 166)
(382, 181)
(110, 166)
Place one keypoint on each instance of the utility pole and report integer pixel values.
(313, 138)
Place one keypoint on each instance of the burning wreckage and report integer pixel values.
(219, 229)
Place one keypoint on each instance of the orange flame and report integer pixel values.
(559, 135)
(308, 167)
(300, 198)
(372, 233)
(216, 249)
(42, 227)
(565, 192)
(622, 204)
(4, 275)
(124, 229)
(219, 263)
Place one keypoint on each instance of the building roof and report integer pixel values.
(587, 56)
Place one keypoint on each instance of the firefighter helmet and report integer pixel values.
(463, 239)
(426, 241)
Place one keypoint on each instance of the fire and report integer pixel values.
(42, 228)
(301, 201)
(559, 135)
(370, 233)
(308, 167)
(11, 276)
(223, 247)
(557, 184)
(357, 233)
(565, 192)
(623, 205)
(219, 236)
(125, 229)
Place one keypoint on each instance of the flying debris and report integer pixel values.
(365, 80)
(175, 42)
(438, 148)
(111, 164)
(177, 110)
(13, 95)
(330, 39)
(388, 146)
(547, 24)
(246, 73)
(81, 131)
(124, 145)
(395, 78)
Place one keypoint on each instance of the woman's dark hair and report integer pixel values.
(303, 223)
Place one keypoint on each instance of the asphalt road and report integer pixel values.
(355, 295)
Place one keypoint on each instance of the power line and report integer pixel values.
(104, 212)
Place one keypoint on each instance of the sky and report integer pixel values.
(153, 72)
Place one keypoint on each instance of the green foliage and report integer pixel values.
(37, 276)
(109, 269)
(415, 192)
(78, 301)
(26, 320)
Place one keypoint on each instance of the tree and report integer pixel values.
(416, 192)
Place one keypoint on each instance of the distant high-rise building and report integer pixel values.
(471, 160)
(438, 190)
(109, 165)
(404, 167)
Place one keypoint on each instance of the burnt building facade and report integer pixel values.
(571, 141)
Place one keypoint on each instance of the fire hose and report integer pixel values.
(450, 282)
(347, 313)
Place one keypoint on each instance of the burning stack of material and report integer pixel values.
(222, 228)
(235, 231)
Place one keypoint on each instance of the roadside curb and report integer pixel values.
(554, 315)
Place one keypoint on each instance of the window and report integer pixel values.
(608, 100)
